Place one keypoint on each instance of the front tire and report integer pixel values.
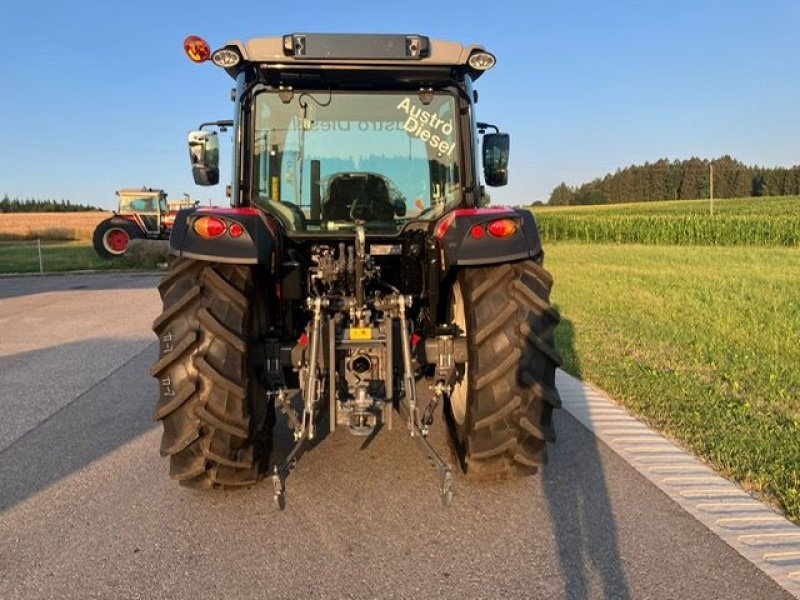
(500, 411)
(214, 409)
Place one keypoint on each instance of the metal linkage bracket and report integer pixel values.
(444, 469)
(419, 426)
(446, 352)
(282, 471)
(304, 427)
(440, 390)
(282, 401)
(273, 371)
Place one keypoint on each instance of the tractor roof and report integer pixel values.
(142, 191)
(315, 50)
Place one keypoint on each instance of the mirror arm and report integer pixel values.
(482, 127)
(223, 125)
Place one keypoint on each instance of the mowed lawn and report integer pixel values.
(702, 342)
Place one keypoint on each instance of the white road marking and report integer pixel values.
(713, 493)
(691, 480)
(634, 439)
(730, 507)
(676, 468)
(636, 429)
(783, 558)
(770, 539)
(670, 460)
(665, 449)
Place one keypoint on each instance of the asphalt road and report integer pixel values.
(87, 509)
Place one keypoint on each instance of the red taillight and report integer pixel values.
(197, 48)
(444, 225)
(235, 230)
(502, 228)
(210, 227)
(477, 232)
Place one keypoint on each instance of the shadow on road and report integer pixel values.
(580, 506)
(70, 436)
(29, 285)
(283, 441)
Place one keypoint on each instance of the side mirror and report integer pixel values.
(495, 158)
(204, 156)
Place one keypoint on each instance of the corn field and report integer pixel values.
(734, 224)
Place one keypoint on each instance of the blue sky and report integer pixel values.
(99, 95)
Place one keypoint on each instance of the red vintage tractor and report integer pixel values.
(143, 213)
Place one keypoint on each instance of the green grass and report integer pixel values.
(742, 221)
(700, 342)
(23, 257)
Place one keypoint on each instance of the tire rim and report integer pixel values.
(116, 241)
(458, 397)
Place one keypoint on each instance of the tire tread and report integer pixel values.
(512, 363)
(205, 379)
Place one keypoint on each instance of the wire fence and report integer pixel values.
(21, 256)
(42, 256)
(48, 256)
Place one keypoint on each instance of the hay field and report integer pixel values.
(49, 225)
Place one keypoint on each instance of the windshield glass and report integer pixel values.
(326, 160)
(144, 204)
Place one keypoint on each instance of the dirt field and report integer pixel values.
(49, 225)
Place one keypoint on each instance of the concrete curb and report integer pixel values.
(756, 531)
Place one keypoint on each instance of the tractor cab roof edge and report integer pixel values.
(389, 51)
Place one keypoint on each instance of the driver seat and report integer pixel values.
(341, 194)
(365, 191)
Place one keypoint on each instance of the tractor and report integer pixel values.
(357, 266)
(143, 213)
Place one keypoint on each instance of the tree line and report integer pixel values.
(15, 205)
(681, 180)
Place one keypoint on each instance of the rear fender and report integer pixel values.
(254, 246)
(460, 248)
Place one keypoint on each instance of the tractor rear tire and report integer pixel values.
(112, 237)
(500, 412)
(214, 409)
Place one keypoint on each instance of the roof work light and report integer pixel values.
(225, 58)
(481, 60)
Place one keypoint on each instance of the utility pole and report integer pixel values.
(711, 187)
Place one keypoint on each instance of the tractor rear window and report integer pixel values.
(325, 160)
